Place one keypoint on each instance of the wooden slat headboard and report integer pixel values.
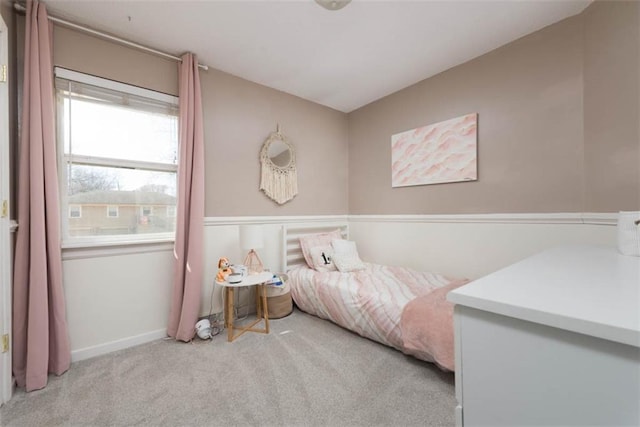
(291, 251)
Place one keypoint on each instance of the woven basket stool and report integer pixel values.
(279, 299)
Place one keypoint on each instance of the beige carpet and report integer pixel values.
(307, 371)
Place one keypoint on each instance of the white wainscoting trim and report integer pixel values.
(600, 218)
(501, 218)
(236, 220)
(108, 347)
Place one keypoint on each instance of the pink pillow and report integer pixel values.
(312, 240)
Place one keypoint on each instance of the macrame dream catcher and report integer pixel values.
(279, 178)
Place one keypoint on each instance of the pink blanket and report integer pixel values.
(427, 327)
(391, 305)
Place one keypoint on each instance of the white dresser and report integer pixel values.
(551, 340)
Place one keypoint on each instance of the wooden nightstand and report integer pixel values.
(262, 312)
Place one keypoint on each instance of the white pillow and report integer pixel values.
(345, 256)
(322, 258)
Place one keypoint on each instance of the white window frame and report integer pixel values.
(142, 209)
(116, 207)
(64, 159)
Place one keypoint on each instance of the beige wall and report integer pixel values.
(611, 97)
(557, 124)
(238, 116)
(92, 55)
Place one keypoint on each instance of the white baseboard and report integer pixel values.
(109, 347)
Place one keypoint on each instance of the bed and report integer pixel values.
(395, 306)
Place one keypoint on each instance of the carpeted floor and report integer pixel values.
(307, 371)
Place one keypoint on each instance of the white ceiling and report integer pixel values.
(342, 59)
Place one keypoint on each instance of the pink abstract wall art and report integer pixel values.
(437, 153)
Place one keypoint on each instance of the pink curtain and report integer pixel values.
(187, 279)
(40, 340)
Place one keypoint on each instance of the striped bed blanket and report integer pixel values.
(395, 306)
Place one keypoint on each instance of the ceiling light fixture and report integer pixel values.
(333, 4)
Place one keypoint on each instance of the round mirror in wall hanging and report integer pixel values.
(279, 178)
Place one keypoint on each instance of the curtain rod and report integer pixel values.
(21, 8)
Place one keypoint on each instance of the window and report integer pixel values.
(112, 211)
(118, 151)
(75, 211)
(171, 211)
